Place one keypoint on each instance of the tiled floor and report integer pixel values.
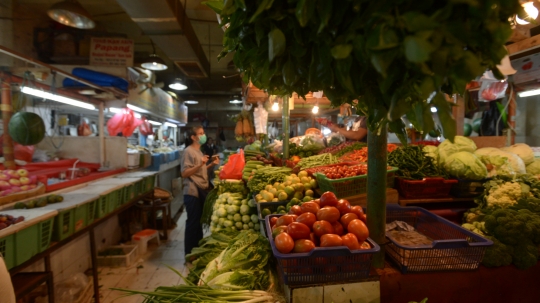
(152, 271)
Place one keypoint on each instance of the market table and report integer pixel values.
(501, 284)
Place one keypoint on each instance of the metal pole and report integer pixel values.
(285, 122)
(376, 191)
(101, 132)
(7, 111)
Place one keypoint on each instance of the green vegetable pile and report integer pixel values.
(317, 160)
(300, 151)
(209, 248)
(508, 213)
(233, 212)
(238, 270)
(267, 175)
(413, 163)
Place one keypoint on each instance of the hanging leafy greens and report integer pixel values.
(395, 57)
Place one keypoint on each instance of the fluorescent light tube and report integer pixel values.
(154, 122)
(54, 97)
(529, 93)
(137, 109)
(170, 124)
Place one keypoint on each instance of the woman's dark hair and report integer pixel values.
(192, 132)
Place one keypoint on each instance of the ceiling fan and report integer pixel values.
(148, 80)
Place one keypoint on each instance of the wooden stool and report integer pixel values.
(153, 208)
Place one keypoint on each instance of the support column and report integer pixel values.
(286, 121)
(376, 191)
(7, 111)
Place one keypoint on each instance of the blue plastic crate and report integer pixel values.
(156, 162)
(322, 265)
(453, 248)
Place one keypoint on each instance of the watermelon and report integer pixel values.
(467, 129)
(26, 128)
(476, 125)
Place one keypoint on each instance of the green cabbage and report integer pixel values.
(515, 161)
(432, 151)
(534, 168)
(461, 144)
(497, 165)
(465, 165)
(523, 150)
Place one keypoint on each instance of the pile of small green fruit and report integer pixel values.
(40, 202)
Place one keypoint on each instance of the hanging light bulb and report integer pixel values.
(530, 10)
(315, 109)
(275, 106)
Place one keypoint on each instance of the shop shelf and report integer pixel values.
(351, 186)
(426, 188)
(33, 240)
(124, 260)
(7, 250)
(468, 188)
(453, 247)
(322, 265)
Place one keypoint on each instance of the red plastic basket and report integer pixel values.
(425, 188)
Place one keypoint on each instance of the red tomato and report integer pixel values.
(273, 221)
(322, 228)
(294, 217)
(331, 240)
(278, 230)
(343, 206)
(303, 246)
(295, 210)
(338, 228)
(298, 231)
(359, 229)
(347, 218)
(350, 241)
(318, 201)
(307, 218)
(310, 207)
(314, 239)
(328, 213)
(328, 199)
(357, 210)
(284, 243)
(285, 220)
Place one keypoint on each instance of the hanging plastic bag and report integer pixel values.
(233, 169)
(260, 119)
(84, 129)
(145, 128)
(490, 91)
(123, 122)
(335, 139)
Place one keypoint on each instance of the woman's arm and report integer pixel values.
(349, 134)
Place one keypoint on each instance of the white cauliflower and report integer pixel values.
(504, 195)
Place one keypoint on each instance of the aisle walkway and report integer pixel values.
(152, 271)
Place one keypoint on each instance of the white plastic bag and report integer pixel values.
(260, 119)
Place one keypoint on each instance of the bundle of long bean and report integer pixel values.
(318, 160)
(414, 164)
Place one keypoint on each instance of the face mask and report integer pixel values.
(202, 139)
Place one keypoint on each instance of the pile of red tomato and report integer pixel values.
(338, 172)
(325, 222)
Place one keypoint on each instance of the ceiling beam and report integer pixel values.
(185, 25)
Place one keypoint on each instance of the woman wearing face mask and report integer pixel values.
(196, 185)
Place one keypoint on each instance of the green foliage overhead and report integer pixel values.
(394, 56)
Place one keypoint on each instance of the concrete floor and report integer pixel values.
(152, 271)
